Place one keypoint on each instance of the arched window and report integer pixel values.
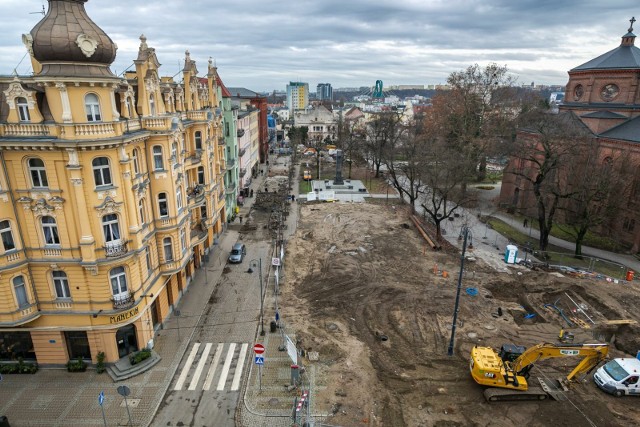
(118, 279)
(38, 173)
(198, 140)
(101, 171)
(61, 283)
(141, 211)
(50, 231)
(92, 107)
(7, 236)
(179, 197)
(163, 205)
(136, 164)
(152, 105)
(200, 175)
(167, 247)
(21, 291)
(111, 228)
(158, 161)
(23, 109)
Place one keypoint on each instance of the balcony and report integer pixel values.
(132, 125)
(230, 164)
(197, 115)
(116, 248)
(122, 301)
(241, 152)
(240, 133)
(231, 189)
(243, 171)
(24, 129)
(157, 123)
(195, 196)
(221, 141)
(195, 156)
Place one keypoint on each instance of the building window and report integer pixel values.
(61, 284)
(179, 197)
(183, 239)
(92, 108)
(16, 345)
(629, 224)
(50, 231)
(174, 152)
(136, 164)
(163, 206)
(227, 130)
(143, 218)
(101, 171)
(7, 236)
(23, 109)
(38, 173)
(111, 228)
(198, 139)
(21, 292)
(203, 211)
(200, 175)
(167, 247)
(148, 256)
(158, 163)
(118, 280)
(152, 105)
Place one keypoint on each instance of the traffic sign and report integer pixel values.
(101, 398)
(259, 360)
(258, 349)
(275, 261)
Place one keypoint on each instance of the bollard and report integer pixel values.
(295, 374)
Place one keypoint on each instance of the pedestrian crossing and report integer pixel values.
(212, 366)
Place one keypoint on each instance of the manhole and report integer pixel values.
(273, 401)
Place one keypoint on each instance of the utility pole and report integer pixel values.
(455, 309)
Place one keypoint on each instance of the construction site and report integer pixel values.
(364, 292)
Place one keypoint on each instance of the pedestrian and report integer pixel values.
(251, 192)
(240, 219)
(525, 222)
(293, 197)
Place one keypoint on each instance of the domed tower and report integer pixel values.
(67, 43)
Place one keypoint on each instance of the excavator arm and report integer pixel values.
(592, 355)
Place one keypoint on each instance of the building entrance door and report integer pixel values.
(126, 340)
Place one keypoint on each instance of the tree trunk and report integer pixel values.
(579, 239)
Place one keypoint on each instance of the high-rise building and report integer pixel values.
(324, 92)
(111, 193)
(297, 95)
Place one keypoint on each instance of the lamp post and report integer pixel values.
(253, 263)
(455, 309)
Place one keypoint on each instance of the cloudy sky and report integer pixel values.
(262, 45)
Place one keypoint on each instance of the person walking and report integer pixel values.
(240, 219)
(525, 222)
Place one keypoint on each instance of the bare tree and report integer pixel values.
(598, 183)
(544, 151)
(382, 132)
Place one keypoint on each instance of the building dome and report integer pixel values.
(67, 42)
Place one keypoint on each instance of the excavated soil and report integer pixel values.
(362, 292)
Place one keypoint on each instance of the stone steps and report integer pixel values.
(122, 369)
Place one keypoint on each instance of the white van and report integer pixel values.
(619, 377)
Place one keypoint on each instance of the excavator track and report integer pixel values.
(505, 394)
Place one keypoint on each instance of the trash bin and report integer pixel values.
(273, 326)
(4, 422)
(630, 274)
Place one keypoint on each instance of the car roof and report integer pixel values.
(238, 245)
(629, 364)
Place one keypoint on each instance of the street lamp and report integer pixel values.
(258, 263)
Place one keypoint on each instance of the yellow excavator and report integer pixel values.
(506, 372)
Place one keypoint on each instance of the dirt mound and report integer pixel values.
(374, 303)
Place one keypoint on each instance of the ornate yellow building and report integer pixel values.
(111, 193)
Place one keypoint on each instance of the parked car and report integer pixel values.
(238, 253)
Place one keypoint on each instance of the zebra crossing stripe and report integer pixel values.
(187, 367)
(200, 367)
(212, 368)
(226, 367)
(238, 374)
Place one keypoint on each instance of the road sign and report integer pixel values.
(259, 360)
(101, 398)
(275, 261)
(258, 349)
(278, 317)
(123, 390)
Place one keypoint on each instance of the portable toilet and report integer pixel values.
(510, 254)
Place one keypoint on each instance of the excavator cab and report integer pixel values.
(510, 352)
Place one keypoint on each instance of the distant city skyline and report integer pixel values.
(347, 44)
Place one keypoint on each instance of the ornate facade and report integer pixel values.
(111, 193)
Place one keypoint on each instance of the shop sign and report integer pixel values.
(124, 316)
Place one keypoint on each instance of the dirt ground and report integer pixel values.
(355, 272)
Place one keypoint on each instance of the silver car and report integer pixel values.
(237, 254)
